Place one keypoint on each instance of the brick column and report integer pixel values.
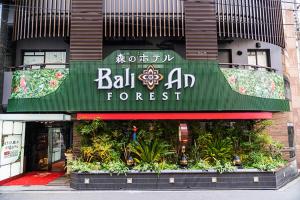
(76, 140)
(279, 130)
(291, 71)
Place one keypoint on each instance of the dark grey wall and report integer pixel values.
(244, 45)
(6, 52)
(40, 44)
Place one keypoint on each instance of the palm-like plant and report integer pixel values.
(218, 149)
(150, 152)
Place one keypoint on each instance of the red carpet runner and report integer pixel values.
(35, 178)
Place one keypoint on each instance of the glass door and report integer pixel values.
(56, 149)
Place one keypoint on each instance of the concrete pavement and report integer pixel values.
(289, 192)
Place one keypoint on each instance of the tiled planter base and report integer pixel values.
(182, 180)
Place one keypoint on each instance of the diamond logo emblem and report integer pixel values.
(150, 77)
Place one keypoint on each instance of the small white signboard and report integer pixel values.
(10, 149)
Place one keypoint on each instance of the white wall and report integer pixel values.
(8, 129)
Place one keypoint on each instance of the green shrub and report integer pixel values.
(101, 150)
(218, 149)
(223, 167)
(264, 162)
(167, 166)
(81, 166)
(117, 167)
(143, 167)
(201, 164)
(150, 151)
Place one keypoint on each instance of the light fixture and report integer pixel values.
(86, 181)
(130, 161)
(183, 159)
(129, 180)
(237, 161)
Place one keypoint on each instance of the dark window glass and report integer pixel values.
(224, 56)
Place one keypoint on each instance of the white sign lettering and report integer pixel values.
(175, 79)
(150, 77)
(144, 58)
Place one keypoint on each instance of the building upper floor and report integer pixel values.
(199, 23)
(251, 19)
(247, 36)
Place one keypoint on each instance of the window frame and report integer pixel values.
(267, 51)
(42, 51)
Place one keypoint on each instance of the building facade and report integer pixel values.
(142, 60)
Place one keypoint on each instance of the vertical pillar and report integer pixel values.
(291, 71)
(200, 30)
(86, 37)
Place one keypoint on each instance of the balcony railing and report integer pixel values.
(39, 66)
(143, 18)
(251, 19)
(247, 66)
(42, 18)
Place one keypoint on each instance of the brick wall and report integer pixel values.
(291, 71)
(76, 140)
(279, 130)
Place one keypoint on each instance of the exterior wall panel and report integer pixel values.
(200, 30)
(86, 30)
(251, 19)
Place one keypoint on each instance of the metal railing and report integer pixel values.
(246, 66)
(40, 65)
(139, 18)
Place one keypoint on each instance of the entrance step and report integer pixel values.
(61, 181)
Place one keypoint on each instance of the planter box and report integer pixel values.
(183, 179)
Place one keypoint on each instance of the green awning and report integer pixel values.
(164, 82)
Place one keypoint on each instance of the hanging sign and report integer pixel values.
(147, 81)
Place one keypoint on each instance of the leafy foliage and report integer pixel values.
(101, 150)
(223, 167)
(218, 149)
(81, 166)
(150, 151)
(201, 164)
(117, 167)
(212, 146)
(264, 162)
(143, 167)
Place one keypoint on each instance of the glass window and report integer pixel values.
(28, 53)
(288, 93)
(258, 57)
(262, 58)
(41, 57)
(28, 60)
(55, 57)
(251, 58)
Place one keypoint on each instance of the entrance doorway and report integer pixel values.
(45, 144)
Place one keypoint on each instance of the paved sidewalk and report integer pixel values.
(289, 192)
